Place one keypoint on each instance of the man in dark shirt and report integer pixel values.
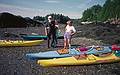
(50, 31)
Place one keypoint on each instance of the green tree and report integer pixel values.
(59, 17)
(111, 9)
(91, 14)
(38, 18)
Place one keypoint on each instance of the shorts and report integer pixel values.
(67, 35)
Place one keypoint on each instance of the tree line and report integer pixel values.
(110, 10)
(59, 17)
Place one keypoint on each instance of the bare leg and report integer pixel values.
(65, 43)
(69, 43)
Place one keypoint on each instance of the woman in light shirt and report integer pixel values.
(69, 32)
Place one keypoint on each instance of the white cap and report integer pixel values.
(49, 17)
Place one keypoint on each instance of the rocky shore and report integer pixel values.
(14, 62)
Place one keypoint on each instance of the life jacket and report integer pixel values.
(83, 49)
(51, 26)
(115, 47)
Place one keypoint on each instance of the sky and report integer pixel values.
(31, 8)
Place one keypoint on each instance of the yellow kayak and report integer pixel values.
(6, 43)
(80, 60)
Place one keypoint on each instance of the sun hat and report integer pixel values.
(49, 17)
(69, 21)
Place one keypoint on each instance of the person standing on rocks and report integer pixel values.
(69, 32)
(50, 31)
